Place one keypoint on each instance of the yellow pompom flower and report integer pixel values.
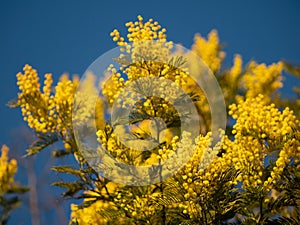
(8, 169)
(260, 131)
(209, 50)
(262, 79)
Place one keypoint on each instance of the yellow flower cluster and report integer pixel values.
(89, 106)
(29, 81)
(209, 50)
(89, 215)
(43, 111)
(201, 175)
(232, 79)
(51, 110)
(256, 119)
(8, 170)
(63, 101)
(135, 206)
(262, 130)
(133, 202)
(140, 31)
(261, 133)
(149, 54)
(264, 139)
(166, 150)
(236, 69)
(112, 142)
(262, 79)
(198, 181)
(34, 104)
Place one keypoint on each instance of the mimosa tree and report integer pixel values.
(166, 135)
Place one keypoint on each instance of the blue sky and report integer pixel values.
(67, 36)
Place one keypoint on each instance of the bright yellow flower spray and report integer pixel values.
(235, 179)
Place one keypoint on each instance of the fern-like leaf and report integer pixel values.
(43, 142)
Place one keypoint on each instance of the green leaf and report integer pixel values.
(109, 213)
(69, 170)
(13, 103)
(125, 60)
(292, 69)
(44, 141)
(72, 187)
(19, 190)
(60, 153)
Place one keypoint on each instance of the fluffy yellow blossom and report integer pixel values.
(149, 52)
(201, 175)
(141, 30)
(35, 105)
(8, 169)
(262, 130)
(209, 50)
(236, 70)
(63, 101)
(262, 79)
(45, 111)
(231, 80)
(89, 215)
(51, 110)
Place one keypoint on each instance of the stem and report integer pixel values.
(204, 214)
(161, 188)
(33, 195)
(163, 216)
(261, 212)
